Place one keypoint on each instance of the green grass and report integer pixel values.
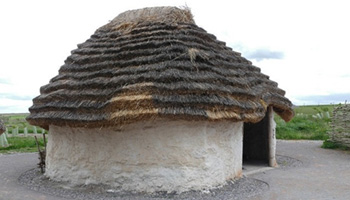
(314, 109)
(22, 144)
(331, 145)
(305, 125)
(302, 127)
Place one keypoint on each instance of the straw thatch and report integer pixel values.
(155, 62)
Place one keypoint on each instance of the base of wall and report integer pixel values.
(147, 156)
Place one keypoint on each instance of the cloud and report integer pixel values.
(14, 104)
(13, 109)
(4, 81)
(324, 99)
(345, 76)
(15, 97)
(261, 54)
(258, 54)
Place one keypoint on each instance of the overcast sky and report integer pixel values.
(302, 45)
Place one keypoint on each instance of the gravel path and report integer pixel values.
(306, 172)
(11, 167)
(324, 173)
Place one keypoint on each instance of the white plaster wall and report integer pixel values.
(147, 156)
(272, 139)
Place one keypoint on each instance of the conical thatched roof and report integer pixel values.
(155, 62)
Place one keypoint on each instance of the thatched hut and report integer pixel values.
(2, 127)
(152, 102)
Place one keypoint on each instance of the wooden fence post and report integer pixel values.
(3, 141)
(25, 131)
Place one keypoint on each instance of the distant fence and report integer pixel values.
(16, 132)
(16, 126)
(340, 126)
(23, 130)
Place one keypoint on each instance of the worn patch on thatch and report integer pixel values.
(155, 62)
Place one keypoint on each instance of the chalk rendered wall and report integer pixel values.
(147, 156)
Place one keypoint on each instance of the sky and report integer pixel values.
(302, 45)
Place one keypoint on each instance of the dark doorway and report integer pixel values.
(256, 142)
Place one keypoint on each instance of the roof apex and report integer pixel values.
(166, 14)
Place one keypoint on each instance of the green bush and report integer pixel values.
(331, 145)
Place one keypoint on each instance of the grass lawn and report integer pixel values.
(309, 123)
(22, 144)
(314, 109)
(303, 127)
